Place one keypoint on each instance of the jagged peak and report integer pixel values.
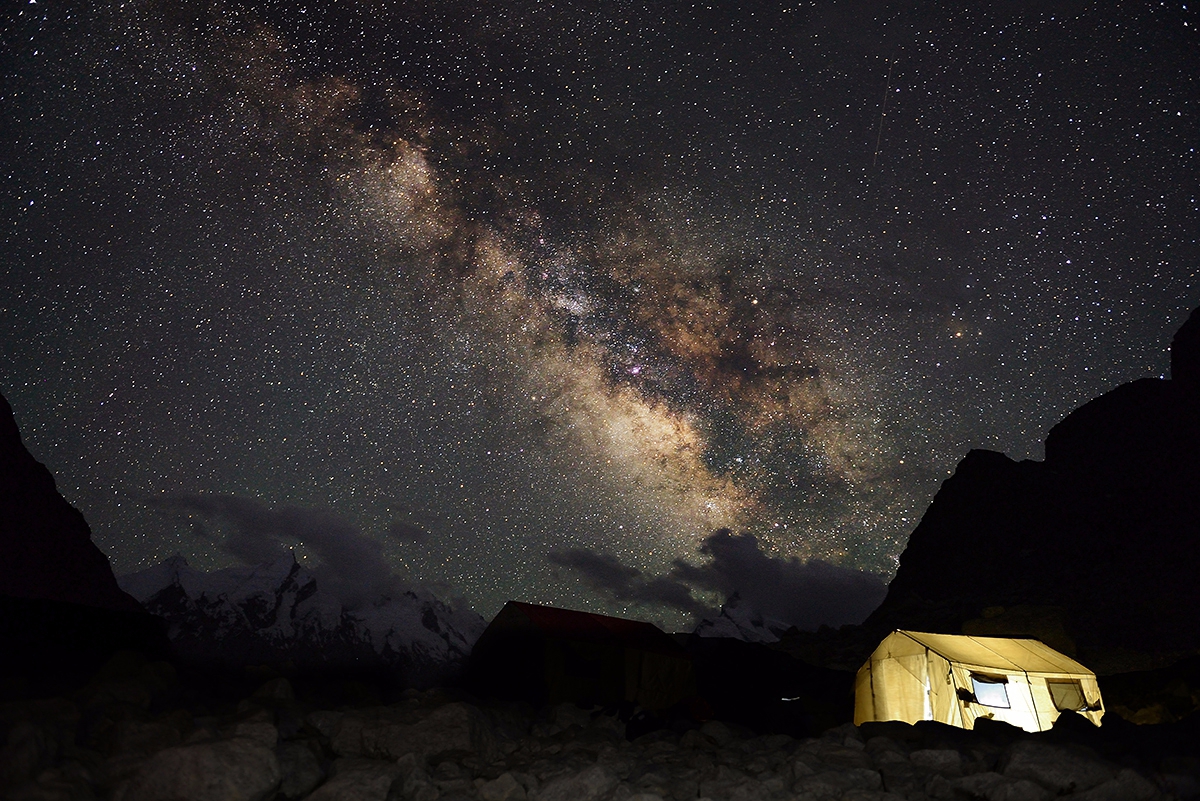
(738, 621)
(176, 561)
(267, 602)
(283, 566)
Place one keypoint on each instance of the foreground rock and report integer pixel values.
(115, 742)
(452, 730)
(235, 768)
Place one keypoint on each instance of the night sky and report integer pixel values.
(527, 300)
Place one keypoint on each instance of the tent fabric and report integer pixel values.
(1011, 652)
(956, 679)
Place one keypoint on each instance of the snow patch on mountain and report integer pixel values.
(276, 613)
(739, 621)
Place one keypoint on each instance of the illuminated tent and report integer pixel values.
(958, 679)
(547, 655)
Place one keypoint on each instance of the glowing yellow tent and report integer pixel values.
(958, 679)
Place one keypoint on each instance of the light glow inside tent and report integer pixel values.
(958, 679)
(990, 691)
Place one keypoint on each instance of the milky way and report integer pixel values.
(500, 287)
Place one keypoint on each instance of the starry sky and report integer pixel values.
(593, 304)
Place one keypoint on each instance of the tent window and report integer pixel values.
(1067, 695)
(990, 690)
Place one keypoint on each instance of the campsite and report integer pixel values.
(959, 680)
(1007, 687)
(599, 400)
(142, 731)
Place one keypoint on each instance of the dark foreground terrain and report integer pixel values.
(138, 732)
(1116, 500)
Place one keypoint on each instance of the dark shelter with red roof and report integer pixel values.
(548, 655)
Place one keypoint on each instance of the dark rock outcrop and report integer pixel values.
(46, 548)
(1102, 538)
(61, 611)
(436, 745)
(1185, 352)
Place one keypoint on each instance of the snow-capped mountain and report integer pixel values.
(740, 622)
(276, 613)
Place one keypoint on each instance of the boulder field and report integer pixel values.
(128, 736)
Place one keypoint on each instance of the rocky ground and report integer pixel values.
(132, 735)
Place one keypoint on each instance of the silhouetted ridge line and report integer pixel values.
(61, 611)
(1096, 547)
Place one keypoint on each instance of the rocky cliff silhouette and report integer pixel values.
(1098, 545)
(61, 611)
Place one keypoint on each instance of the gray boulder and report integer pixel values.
(902, 777)
(300, 768)
(356, 779)
(1127, 786)
(591, 784)
(505, 787)
(38, 732)
(1056, 767)
(413, 782)
(945, 761)
(70, 781)
(836, 783)
(238, 769)
(454, 729)
(992, 786)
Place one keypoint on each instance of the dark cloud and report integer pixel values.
(802, 594)
(351, 563)
(408, 532)
(605, 573)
